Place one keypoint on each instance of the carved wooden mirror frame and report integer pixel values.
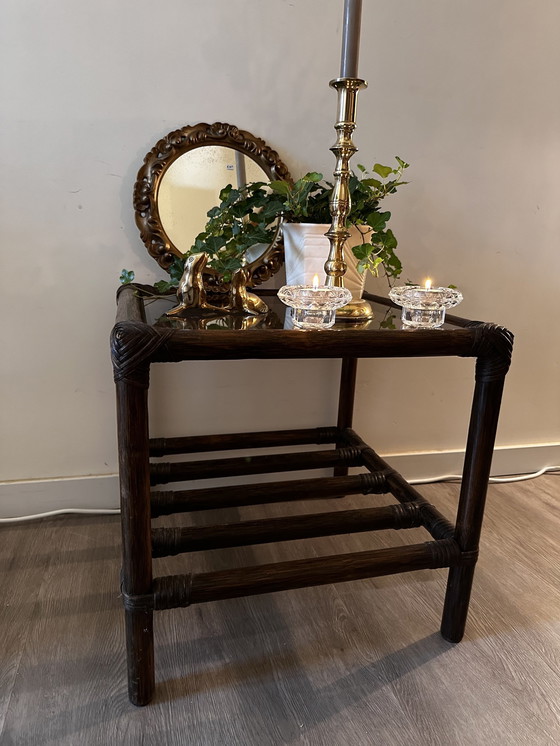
(159, 159)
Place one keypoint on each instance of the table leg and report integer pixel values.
(478, 459)
(132, 416)
(346, 402)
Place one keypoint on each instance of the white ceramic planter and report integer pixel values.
(306, 249)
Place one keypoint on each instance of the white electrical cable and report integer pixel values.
(62, 511)
(429, 480)
(522, 477)
(492, 480)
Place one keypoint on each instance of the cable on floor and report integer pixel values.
(492, 480)
(428, 480)
(62, 511)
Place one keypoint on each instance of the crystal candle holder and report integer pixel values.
(424, 307)
(314, 307)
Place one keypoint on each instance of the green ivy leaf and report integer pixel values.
(214, 244)
(224, 193)
(313, 176)
(383, 171)
(378, 220)
(127, 276)
(280, 187)
(374, 264)
(375, 183)
(362, 251)
(176, 269)
(402, 164)
(164, 286)
(390, 241)
(388, 322)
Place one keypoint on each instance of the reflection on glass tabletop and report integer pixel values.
(278, 317)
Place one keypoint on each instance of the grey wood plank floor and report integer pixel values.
(356, 663)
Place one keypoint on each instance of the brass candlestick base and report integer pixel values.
(357, 310)
(340, 203)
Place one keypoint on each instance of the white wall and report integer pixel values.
(465, 91)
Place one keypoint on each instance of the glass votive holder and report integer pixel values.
(314, 307)
(424, 307)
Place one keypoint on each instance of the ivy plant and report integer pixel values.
(307, 200)
(245, 216)
(249, 215)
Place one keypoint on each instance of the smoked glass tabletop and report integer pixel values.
(385, 317)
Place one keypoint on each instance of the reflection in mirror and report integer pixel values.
(195, 180)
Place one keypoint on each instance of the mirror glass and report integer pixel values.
(195, 179)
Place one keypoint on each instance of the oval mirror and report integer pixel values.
(181, 180)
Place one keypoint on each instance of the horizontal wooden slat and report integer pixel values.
(228, 467)
(183, 590)
(183, 501)
(228, 441)
(168, 541)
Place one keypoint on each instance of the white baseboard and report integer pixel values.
(101, 492)
(508, 460)
(43, 495)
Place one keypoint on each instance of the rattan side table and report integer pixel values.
(137, 342)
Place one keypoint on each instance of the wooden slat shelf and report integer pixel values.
(161, 473)
(184, 590)
(185, 501)
(168, 541)
(266, 439)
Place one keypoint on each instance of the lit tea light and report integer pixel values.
(424, 307)
(314, 306)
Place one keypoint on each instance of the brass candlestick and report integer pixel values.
(343, 149)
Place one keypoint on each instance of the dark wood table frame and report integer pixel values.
(136, 344)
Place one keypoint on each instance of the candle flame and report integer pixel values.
(428, 284)
(315, 282)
